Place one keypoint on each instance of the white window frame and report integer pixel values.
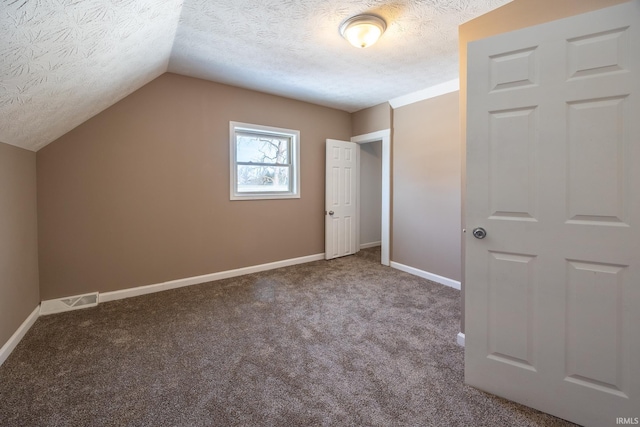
(294, 156)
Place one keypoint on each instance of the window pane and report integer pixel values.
(263, 179)
(262, 149)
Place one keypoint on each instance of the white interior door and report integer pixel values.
(553, 176)
(341, 220)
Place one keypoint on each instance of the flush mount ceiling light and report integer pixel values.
(363, 30)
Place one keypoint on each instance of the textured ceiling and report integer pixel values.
(63, 61)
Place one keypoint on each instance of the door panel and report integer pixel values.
(341, 197)
(597, 181)
(553, 292)
(511, 288)
(513, 192)
(594, 304)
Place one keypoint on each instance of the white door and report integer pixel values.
(553, 176)
(341, 221)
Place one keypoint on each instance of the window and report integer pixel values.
(264, 162)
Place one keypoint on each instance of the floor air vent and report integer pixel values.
(70, 303)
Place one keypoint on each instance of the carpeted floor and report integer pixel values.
(345, 342)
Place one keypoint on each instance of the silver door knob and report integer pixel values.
(479, 233)
(331, 212)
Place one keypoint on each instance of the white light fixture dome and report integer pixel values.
(363, 30)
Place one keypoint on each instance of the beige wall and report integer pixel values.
(512, 16)
(371, 119)
(370, 192)
(139, 194)
(19, 294)
(426, 186)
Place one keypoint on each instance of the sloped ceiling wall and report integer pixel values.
(63, 61)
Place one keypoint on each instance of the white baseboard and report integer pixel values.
(173, 284)
(426, 275)
(10, 345)
(54, 307)
(87, 300)
(370, 245)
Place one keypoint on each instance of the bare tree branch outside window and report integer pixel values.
(263, 163)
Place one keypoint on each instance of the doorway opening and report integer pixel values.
(374, 190)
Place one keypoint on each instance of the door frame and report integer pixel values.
(385, 236)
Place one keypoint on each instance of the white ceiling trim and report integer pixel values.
(428, 93)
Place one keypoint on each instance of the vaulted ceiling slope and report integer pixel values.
(64, 61)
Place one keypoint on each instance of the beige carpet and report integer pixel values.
(346, 342)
